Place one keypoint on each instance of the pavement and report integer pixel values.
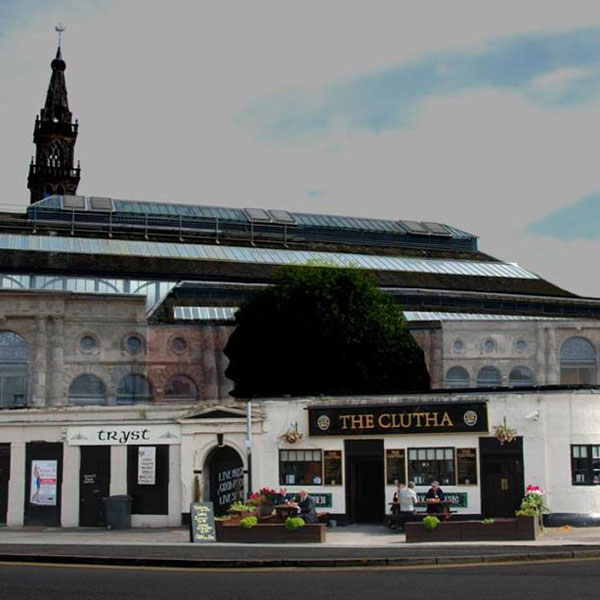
(352, 546)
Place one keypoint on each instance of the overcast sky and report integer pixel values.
(481, 114)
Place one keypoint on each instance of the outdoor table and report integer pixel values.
(286, 510)
(443, 511)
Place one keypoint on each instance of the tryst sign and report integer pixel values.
(108, 435)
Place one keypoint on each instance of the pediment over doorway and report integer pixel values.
(217, 412)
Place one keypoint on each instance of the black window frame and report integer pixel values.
(436, 474)
(585, 465)
(298, 466)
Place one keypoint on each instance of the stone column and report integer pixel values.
(437, 359)
(70, 486)
(118, 470)
(540, 357)
(552, 365)
(209, 365)
(225, 384)
(16, 486)
(39, 362)
(56, 395)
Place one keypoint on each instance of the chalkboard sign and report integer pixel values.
(202, 523)
(466, 466)
(395, 466)
(332, 467)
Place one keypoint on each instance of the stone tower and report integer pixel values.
(54, 135)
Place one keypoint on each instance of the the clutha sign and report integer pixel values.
(397, 419)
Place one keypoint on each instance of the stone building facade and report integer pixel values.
(505, 352)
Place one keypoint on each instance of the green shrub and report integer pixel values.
(293, 523)
(430, 522)
(488, 521)
(248, 522)
(238, 506)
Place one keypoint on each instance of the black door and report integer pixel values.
(94, 485)
(43, 483)
(150, 492)
(226, 476)
(4, 479)
(502, 485)
(365, 486)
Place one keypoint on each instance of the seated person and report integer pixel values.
(408, 499)
(433, 498)
(306, 507)
(396, 500)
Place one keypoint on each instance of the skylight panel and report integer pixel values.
(73, 203)
(98, 203)
(257, 215)
(283, 217)
(415, 227)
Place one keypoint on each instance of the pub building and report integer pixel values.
(354, 450)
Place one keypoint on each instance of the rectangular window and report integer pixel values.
(431, 464)
(585, 464)
(300, 467)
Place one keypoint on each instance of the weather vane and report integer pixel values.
(59, 28)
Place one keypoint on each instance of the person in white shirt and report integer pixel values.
(408, 498)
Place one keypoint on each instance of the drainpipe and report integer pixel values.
(248, 443)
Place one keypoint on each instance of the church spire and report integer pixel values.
(54, 135)
(57, 105)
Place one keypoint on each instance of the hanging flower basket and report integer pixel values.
(504, 434)
(291, 435)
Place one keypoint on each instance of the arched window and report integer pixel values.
(520, 376)
(457, 377)
(133, 389)
(55, 155)
(181, 388)
(14, 371)
(489, 377)
(87, 389)
(578, 362)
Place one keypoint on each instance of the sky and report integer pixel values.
(481, 114)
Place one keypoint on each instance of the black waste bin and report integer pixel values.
(118, 512)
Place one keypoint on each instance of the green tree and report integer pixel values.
(323, 330)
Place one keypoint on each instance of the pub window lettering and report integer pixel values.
(585, 464)
(300, 467)
(431, 464)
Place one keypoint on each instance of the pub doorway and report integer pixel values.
(365, 488)
(94, 485)
(4, 479)
(224, 472)
(502, 483)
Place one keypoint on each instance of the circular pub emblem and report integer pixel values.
(323, 422)
(470, 418)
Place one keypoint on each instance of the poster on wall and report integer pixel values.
(146, 465)
(43, 482)
(466, 466)
(332, 467)
(395, 466)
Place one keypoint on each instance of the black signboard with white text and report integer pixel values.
(202, 523)
(394, 419)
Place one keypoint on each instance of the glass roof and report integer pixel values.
(449, 316)
(226, 313)
(332, 222)
(268, 256)
(205, 313)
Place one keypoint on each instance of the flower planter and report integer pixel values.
(518, 529)
(265, 508)
(269, 533)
